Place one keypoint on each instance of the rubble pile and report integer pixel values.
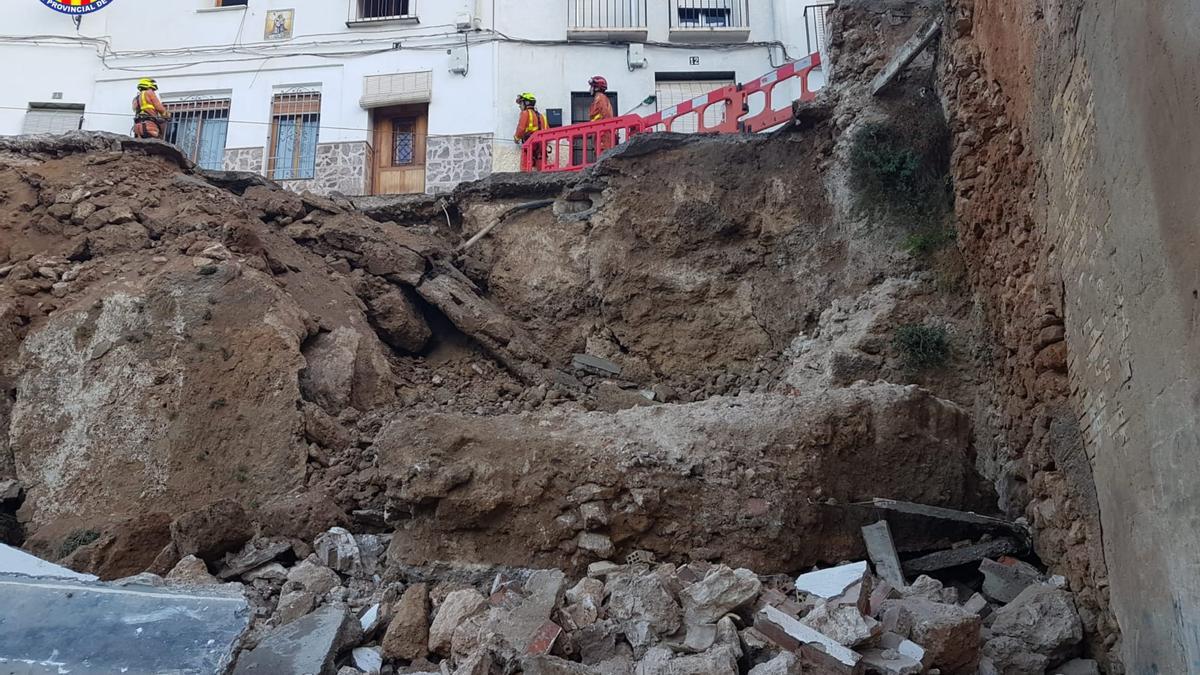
(340, 604)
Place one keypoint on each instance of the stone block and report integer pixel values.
(456, 608)
(1004, 580)
(308, 645)
(407, 635)
(211, 532)
(882, 552)
(1042, 618)
(721, 591)
(949, 634)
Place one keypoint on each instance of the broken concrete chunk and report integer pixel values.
(456, 608)
(882, 552)
(1009, 656)
(520, 626)
(978, 605)
(191, 571)
(889, 662)
(949, 634)
(785, 663)
(603, 568)
(790, 634)
(930, 589)
(313, 577)
(1043, 618)
(595, 543)
(293, 605)
(842, 623)
(338, 550)
(370, 620)
(831, 582)
(1004, 580)
(269, 572)
(407, 636)
(308, 645)
(585, 590)
(542, 640)
(902, 645)
(723, 590)
(252, 556)
(552, 665)
(368, 659)
(10, 489)
(76, 626)
(646, 598)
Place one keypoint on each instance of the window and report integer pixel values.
(295, 124)
(404, 141)
(384, 9)
(581, 103)
(52, 118)
(199, 128)
(232, 3)
(704, 17)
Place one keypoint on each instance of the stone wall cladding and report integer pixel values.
(244, 159)
(1020, 101)
(340, 167)
(451, 160)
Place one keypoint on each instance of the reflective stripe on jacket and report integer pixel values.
(147, 103)
(531, 122)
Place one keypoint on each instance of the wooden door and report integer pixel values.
(400, 135)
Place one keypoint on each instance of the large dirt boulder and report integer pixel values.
(759, 479)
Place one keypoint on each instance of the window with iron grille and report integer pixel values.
(384, 9)
(199, 129)
(404, 141)
(295, 125)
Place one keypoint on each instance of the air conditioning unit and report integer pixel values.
(463, 21)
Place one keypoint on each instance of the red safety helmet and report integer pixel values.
(598, 83)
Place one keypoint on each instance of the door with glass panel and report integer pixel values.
(399, 149)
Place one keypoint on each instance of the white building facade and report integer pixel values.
(379, 96)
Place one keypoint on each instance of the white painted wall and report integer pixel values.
(194, 48)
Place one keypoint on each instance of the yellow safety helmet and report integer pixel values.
(147, 83)
(527, 98)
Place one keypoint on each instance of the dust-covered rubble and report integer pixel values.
(635, 616)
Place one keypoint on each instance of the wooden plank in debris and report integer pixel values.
(908, 52)
(960, 556)
(882, 552)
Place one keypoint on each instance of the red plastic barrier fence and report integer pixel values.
(576, 147)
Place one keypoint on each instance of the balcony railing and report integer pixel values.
(606, 19)
(816, 26)
(710, 20)
(365, 12)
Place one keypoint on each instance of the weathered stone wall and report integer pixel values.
(245, 159)
(1075, 162)
(340, 167)
(450, 160)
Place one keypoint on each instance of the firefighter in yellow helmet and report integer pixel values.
(531, 121)
(150, 115)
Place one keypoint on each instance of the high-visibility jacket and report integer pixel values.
(147, 103)
(601, 108)
(530, 122)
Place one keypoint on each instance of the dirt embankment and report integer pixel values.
(181, 338)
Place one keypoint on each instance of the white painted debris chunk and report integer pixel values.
(832, 582)
(902, 645)
(368, 659)
(16, 561)
(806, 635)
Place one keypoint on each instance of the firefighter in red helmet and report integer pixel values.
(601, 107)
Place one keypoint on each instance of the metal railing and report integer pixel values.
(585, 15)
(295, 131)
(816, 27)
(709, 14)
(367, 11)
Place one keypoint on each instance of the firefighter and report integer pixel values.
(150, 115)
(531, 121)
(601, 110)
(601, 107)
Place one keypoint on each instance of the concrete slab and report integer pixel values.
(62, 625)
(595, 365)
(960, 556)
(882, 552)
(307, 645)
(17, 562)
(833, 581)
